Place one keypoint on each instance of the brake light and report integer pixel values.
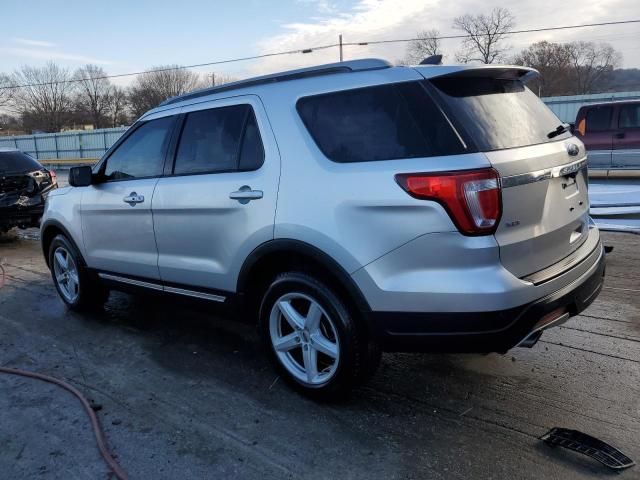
(472, 198)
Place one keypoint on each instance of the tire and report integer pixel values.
(77, 288)
(302, 319)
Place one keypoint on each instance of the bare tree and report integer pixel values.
(117, 106)
(591, 64)
(44, 96)
(552, 60)
(6, 92)
(485, 35)
(10, 125)
(92, 93)
(427, 43)
(152, 88)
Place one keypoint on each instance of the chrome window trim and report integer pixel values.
(546, 174)
(155, 286)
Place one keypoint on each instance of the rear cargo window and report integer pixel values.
(498, 113)
(599, 119)
(385, 122)
(17, 162)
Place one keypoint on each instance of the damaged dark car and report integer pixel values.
(24, 186)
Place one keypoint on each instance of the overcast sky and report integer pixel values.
(128, 36)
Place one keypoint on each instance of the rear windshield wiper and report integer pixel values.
(560, 129)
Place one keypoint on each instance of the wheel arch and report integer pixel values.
(48, 232)
(277, 256)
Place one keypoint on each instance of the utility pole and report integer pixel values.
(340, 43)
(213, 79)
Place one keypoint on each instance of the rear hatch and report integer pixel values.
(542, 168)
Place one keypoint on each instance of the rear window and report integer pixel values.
(599, 119)
(17, 162)
(498, 113)
(385, 122)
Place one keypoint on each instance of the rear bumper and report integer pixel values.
(481, 332)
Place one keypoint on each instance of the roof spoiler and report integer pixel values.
(504, 72)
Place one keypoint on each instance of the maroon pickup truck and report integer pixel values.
(611, 134)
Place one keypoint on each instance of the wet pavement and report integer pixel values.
(186, 394)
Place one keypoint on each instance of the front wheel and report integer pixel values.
(312, 337)
(74, 285)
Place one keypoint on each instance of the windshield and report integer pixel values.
(17, 162)
(498, 113)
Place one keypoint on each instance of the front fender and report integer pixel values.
(62, 214)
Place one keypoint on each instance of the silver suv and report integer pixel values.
(349, 209)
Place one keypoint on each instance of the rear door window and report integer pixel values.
(385, 122)
(497, 113)
(251, 150)
(629, 116)
(599, 119)
(223, 139)
(142, 153)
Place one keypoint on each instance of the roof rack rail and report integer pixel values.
(327, 69)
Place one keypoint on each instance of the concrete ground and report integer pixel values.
(188, 395)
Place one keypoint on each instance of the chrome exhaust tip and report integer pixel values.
(552, 319)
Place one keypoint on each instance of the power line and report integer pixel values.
(179, 67)
(512, 32)
(312, 49)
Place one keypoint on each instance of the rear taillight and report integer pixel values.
(472, 197)
(54, 177)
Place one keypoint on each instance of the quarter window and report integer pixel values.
(599, 119)
(142, 153)
(378, 123)
(629, 116)
(221, 139)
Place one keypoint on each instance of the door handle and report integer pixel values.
(133, 198)
(620, 135)
(244, 194)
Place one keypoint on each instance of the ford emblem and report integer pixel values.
(573, 149)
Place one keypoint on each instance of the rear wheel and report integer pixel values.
(77, 289)
(312, 337)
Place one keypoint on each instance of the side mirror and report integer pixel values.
(80, 176)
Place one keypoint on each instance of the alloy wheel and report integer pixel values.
(304, 338)
(66, 274)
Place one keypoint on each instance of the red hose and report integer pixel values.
(100, 440)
